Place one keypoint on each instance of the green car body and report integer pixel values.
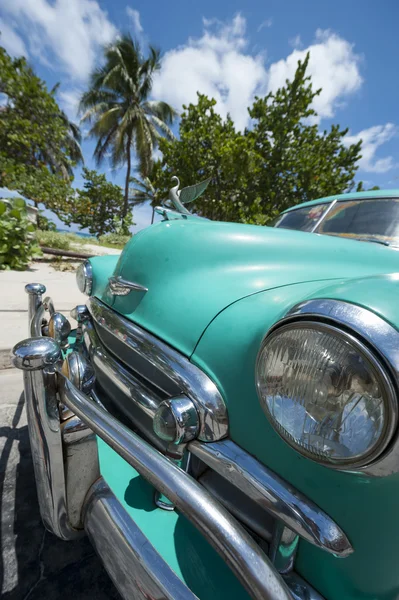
(201, 461)
(214, 291)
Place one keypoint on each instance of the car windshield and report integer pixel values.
(374, 220)
(302, 219)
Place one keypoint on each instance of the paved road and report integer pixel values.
(34, 564)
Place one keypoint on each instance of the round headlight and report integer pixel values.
(326, 394)
(84, 277)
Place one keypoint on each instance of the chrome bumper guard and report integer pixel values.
(73, 498)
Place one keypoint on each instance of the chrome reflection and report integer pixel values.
(167, 362)
(34, 356)
(274, 494)
(222, 531)
(133, 564)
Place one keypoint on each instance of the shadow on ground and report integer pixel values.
(34, 564)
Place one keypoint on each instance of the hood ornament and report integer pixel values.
(187, 194)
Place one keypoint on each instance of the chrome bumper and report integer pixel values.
(73, 499)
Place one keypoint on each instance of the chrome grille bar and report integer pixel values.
(166, 363)
(240, 552)
(274, 494)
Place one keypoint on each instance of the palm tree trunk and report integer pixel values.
(129, 167)
(153, 214)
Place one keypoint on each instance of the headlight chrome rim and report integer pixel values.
(84, 278)
(378, 450)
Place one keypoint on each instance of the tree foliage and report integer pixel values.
(17, 245)
(282, 160)
(98, 206)
(118, 106)
(143, 189)
(36, 149)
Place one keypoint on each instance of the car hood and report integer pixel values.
(194, 269)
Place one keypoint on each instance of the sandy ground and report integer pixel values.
(61, 286)
(94, 249)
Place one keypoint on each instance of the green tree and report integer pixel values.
(98, 205)
(17, 244)
(297, 161)
(210, 146)
(123, 118)
(35, 153)
(144, 190)
(282, 160)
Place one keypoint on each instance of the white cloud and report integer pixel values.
(72, 31)
(11, 41)
(333, 65)
(69, 102)
(265, 23)
(373, 138)
(296, 42)
(217, 65)
(134, 15)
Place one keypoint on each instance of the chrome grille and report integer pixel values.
(161, 367)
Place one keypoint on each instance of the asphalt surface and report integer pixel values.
(34, 564)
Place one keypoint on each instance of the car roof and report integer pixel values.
(350, 196)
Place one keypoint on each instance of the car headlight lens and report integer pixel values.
(326, 394)
(84, 278)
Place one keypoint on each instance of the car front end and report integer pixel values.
(223, 421)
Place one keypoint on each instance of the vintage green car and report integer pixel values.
(223, 423)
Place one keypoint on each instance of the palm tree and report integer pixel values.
(123, 119)
(71, 144)
(144, 190)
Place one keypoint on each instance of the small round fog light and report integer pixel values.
(176, 420)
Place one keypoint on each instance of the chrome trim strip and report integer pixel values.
(275, 495)
(222, 531)
(379, 334)
(122, 287)
(190, 380)
(131, 387)
(133, 564)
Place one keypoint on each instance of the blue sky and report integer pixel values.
(231, 51)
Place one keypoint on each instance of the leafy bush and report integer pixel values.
(53, 239)
(17, 244)
(78, 239)
(114, 239)
(45, 224)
